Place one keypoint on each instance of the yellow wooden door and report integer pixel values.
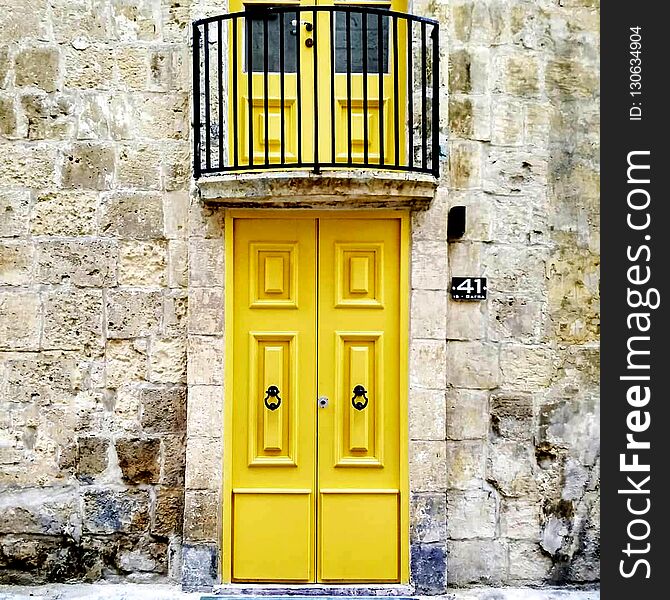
(332, 81)
(274, 387)
(318, 425)
(359, 479)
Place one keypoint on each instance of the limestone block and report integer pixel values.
(175, 312)
(23, 19)
(516, 270)
(177, 264)
(175, 211)
(466, 320)
(110, 511)
(139, 459)
(132, 66)
(514, 318)
(203, 463)
(80, 20)
(206, 263)
(429, 265)
(467, 414)
(518, 74)
(90, 68)
(16, 262)
(473, 365)
(201, 516)
(428, 310)
(73, 320)
(176, 167)
(134, 21)
(94, 117)
(27, 165)
(89, 166)
(29, 511)
(139, 167)
(163, 409)
(427, 364)
(537, 124)
(132, 215)
(512, 415)
(84, 264)
(133, 313)
(569, 78)
(199, 563)
(205, 410)
(472, 514)
(468, 71)
(5, 63)
(92, 457)
(15, 210)
(125, 362)
(163, 116)
(507, 122)
(206, 221)
(19, 320)
(122, 117)
(466, 464)
(64, 213)
(167, 360)
(169, 69)
(49, 116)
(38, 66)
(426, 414)
(520, 519)
(431, 224)
(477, 561)
(527, 562)
(428, 518)
(465, 164)
(510, 468)
(145, 558)
(205, 360)
(168, 514)
(470, 117)
(174, 460)
(427, 466)
(7, 116)
(142, 264)
(527, 367)
(429, 568)
(205, 311)
(509, 172)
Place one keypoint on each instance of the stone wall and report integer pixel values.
(523, 368)
(94, 178)
(111, 272)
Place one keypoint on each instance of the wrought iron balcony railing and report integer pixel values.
(315, 87)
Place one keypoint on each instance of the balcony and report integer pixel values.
(312, 88)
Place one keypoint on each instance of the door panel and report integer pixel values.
(359, 446)
(274, 436)
(316, 494)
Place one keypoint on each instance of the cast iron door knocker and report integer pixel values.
(272, 392)
(359, 390)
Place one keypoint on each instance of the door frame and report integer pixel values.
(403, 215)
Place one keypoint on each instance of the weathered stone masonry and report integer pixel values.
(112, 274)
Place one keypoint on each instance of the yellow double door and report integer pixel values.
(318, 452)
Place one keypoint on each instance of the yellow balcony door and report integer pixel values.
(317, 488)
(330, 89)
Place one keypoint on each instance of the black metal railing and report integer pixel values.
(330, 86)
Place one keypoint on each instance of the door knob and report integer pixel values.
(359, 390)
(272, 392)
(323, 401)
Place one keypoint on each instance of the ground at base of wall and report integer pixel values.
(172, 592)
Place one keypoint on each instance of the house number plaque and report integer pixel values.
(468, 288)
